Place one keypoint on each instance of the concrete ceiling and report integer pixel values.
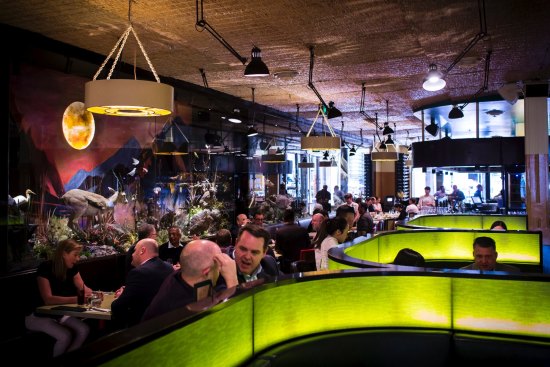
(387, 45)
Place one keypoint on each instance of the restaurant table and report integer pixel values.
(102, 312)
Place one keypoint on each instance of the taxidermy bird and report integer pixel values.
(87, 204)
(22, 201)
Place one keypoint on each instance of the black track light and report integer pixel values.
(456, 113)
(432, 128)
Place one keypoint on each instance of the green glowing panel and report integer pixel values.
(210, 341)
(432, 245)
(333, 265)
(367, 250)
(502, 306)
(469, 221)
(293, 310)
(515, 247)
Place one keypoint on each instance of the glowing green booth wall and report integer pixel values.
(513, 222)
(518, 247)
(232, 333)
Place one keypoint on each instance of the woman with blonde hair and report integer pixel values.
(59, 282)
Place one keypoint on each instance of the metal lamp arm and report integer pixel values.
(310, 81)
(202, 23)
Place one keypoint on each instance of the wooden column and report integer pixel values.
(536, 159)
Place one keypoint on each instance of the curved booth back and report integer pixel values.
(449, 247)
(245, 328)
(464, 221)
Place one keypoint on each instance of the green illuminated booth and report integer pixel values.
(359, 317)
(463, 221)
(440, 248)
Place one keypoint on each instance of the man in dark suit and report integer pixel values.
(290, 239)
(142, 284)
(250, 254)
(170, 251)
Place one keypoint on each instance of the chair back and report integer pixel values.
(307, 255)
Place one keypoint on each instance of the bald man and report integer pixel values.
(200, 260)
(142, 283)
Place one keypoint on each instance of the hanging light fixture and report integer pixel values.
(432, 128)
(387, 129)
(251, 131)
(168, 146)
(256, 67)
(456, 113)
(330, 110)
(305, 164)
(434, 79)
(324, 142)
(128, 97)
(389, 141)
(352, 151)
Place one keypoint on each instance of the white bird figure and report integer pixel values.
(135, 162)
(21, 200)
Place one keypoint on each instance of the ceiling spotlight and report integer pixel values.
(256, 67)
(333, 112)
(387, 129)
(352, 151)
(325, 155)
(251, 131)
(389, 141)
(235, 116)
(382, 146)
(434, 79)
(278, 151)
(456, 113)
(432, 128)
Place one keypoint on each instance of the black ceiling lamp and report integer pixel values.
(387, 129)
(331, 111)
(352, 151)
(326, 155)
(458, 112)
(256, 67)
(432, 128)
(389, 140)
(435, 81)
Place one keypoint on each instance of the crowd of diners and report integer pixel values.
(168, 276)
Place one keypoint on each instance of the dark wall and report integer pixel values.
(469, 152)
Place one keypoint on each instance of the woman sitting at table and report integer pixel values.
(58, 283)
(333, 231)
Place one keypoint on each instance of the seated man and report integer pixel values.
(250, 255)
(170, 251)
(142, 283)
(485, 257)
(365, 224)
(201, 260)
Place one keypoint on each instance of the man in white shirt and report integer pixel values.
(426, 201)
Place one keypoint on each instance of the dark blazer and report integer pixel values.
(270, 269)
(173, 253)
(142, 284)
(290, 239)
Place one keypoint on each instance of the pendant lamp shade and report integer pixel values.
(273, 158)
(326, 142)
(129, 97)
(256, 67)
